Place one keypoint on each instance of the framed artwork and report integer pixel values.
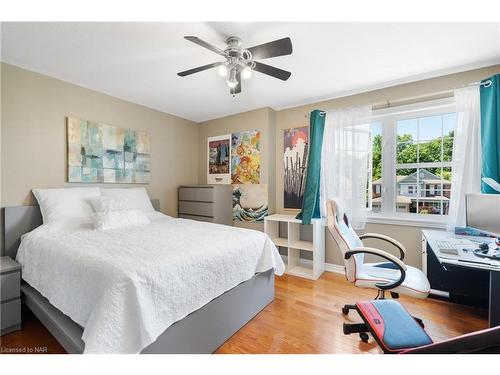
(219, 160)
(107, 154)
(295, 149)
(245, 157)
(250, 202)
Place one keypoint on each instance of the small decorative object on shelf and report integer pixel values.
(288, 235)
(10, 295)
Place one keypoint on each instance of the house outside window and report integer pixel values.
(411, 159)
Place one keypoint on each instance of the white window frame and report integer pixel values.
(389, 118)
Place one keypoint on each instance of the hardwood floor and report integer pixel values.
(33, 338)
(305, 317)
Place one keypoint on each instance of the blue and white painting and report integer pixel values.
(250, 202)
(107, 154)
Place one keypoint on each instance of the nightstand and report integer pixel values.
(10, 295)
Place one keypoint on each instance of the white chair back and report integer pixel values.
(345, 237)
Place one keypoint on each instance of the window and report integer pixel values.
(411, 159)
(374, 192)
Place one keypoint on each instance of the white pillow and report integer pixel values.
(65, 203)
(106, 204)
(119, 219)
(137, 197)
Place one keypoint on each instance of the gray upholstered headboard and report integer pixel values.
(19, 220)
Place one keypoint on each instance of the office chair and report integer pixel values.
(391, 275)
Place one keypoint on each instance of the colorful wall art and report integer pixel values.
(250, 202)
(295, 144)
(245, 157)
(108, 154)
(219, 159)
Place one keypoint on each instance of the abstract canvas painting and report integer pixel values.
(295, 144)
(250, 202)
(219, 153)
(245, 157)
(107, 154)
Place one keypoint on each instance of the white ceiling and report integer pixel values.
(139, 61)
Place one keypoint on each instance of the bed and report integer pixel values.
(125, 300)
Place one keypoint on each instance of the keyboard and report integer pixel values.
(446, 247)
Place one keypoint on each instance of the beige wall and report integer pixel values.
(34, 111)
(33, 139)
(408, 235)
(261, 119)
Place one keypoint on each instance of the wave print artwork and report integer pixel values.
(250, 202)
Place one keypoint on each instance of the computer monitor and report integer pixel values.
(483, 211)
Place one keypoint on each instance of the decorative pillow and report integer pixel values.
(137, 197)
(65, 203)
(106, 204)
(119, 219)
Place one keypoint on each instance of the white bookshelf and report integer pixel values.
(294, 244)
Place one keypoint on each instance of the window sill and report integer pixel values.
(435, 223)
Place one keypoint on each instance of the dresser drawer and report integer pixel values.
(197, 218)
(201, 194)
(10, 314)
(196, 208)
(10, 286)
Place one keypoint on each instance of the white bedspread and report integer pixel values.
(126, 286)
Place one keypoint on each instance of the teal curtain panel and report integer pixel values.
(310, 202)
(490, 131)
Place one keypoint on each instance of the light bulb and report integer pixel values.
(222, 70)
(232, 83)
(246, 73)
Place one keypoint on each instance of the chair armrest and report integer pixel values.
(399, 245)
(383, 254)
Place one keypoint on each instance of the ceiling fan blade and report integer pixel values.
(199, 69)
(280, 47)
(271, 71)
(237, 88)
(204, 44)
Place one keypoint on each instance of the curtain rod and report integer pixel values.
(419, 98)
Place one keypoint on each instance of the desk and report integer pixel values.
(467, 278)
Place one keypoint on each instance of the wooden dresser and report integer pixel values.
(211, 203)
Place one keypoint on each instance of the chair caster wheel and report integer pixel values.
(345, 310)
(363, 336)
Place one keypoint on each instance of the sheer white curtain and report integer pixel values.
(344, 161)
(466, 164)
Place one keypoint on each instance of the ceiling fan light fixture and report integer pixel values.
(222, 70)
(240, 62)
(246, 73)
(232, 82)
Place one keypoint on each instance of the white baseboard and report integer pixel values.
(329, 267)
(335, 268)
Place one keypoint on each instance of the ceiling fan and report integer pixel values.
(240, 61)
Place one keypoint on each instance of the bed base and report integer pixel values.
(201, 332)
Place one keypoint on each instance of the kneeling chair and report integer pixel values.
(396, 331)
